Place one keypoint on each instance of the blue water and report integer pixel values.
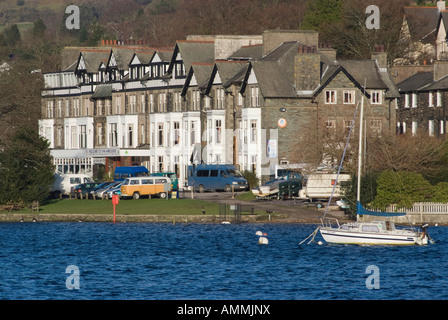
(196, 261)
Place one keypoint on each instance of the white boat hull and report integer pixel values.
(341, 236)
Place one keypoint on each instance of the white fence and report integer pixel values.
(421, 212)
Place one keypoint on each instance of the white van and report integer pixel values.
(64, 182)
(320, 186)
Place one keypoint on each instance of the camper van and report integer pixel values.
(216, 177)
(145, 186)
(63, 183)
(121, 173)
(320, 186)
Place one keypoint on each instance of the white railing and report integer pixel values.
(422, 208)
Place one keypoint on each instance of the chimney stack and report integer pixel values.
(380, 56)
(306, 68)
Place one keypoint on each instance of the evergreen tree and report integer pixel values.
(321, 12)
(26, 168)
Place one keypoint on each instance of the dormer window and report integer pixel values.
(180, 69)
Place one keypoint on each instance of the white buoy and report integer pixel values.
(259, 233)
(225, 222)
(319, 243)
(263, 240)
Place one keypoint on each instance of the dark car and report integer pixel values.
(83, 189)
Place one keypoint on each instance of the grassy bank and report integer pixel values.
(127, 207)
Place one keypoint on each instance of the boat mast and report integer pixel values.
(361, 117)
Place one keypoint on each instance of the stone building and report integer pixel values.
(244, 100)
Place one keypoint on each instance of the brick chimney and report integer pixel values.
(380, 56)
(307, 68)
(440, 69)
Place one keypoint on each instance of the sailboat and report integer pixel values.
(375, 232)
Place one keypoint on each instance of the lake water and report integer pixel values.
(207, 261)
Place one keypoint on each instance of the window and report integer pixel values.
(143, 103)
(99, 139)
(213, 173)
(240, 99)
(439, 99)
(151, 102)
(193, 132)
(132, 104)
(202, 173)
(414, 128)
(160, 134)
(349, 97)
(82, 137)
(442, 127)
(113, 135)
(176, 125)
(74, 137)
(219, 98)
(431, 128)
(253, 131)
(142, 134)
(414, 100)
(330, 97)
(218, 130)
(130, 135)
(195, 99)
(50, 109)
(375, 97)
(160, 165)
(406, 100)
(254, 97)
(431, 99)
(376, 126)
(370, 228)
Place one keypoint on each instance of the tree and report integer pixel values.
(26, 168)
(402, 188)
(320, 13)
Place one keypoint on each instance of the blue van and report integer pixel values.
(216, 177)
(122, 173)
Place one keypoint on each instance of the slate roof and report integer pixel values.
(422, 23)
(93, 59)
(416, 82)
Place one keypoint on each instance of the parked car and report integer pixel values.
(99, 187)
(101, 193)
(64, 183)
(83, 189)
(112, 191)
(146, 186)
(216, 177)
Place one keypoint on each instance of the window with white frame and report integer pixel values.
(218, 127)
(414, 128)
(439, 99)
(240, 99)
(407, 100)
(219, 98)
(113, 135)
(431, 99)
(414, 100)
(193, 132)
(162, 102)
(330, 97)
(130, 135)
(132, 103)
(99, 134)
(177, 101)
(254, 102)
(143, 103)
(176, 127)
(349, 96)
(442, 127)
(160, 134)
(376, 126)
(74, 142)
(82, 136)
(151, 102)
(431, 128)
(253, 131)
(376, 97)
(50, 109)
